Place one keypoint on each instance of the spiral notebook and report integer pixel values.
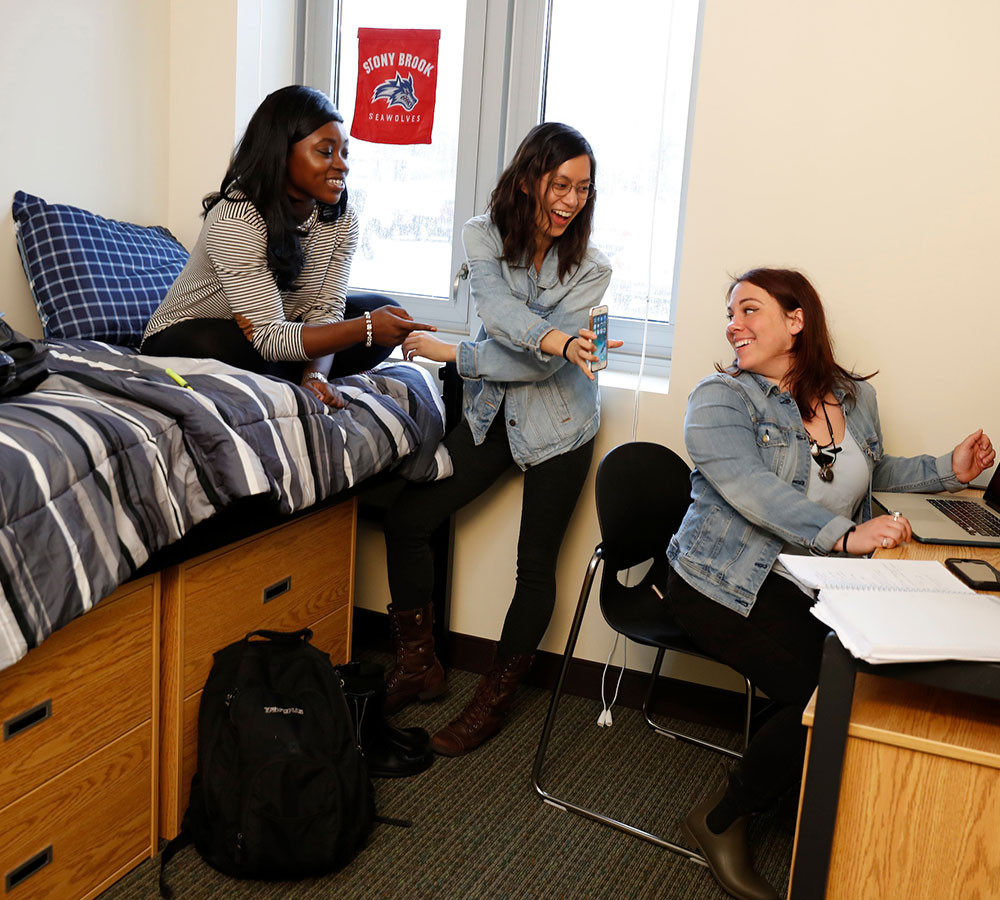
(900, 610)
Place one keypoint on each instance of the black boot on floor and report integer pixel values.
(389, 751)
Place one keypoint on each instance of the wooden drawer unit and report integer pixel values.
(84, 829)
(79, 723)
(300, 574)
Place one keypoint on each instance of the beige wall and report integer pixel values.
(856, 140)
(83, 97)
(128, 109)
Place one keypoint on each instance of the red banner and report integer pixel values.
(397, 85)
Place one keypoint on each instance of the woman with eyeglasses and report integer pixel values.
(531, 402)
(265, 288)
(787, 448)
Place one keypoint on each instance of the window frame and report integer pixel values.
(504, 69)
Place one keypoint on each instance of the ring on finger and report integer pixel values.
(895, 515)
(885, 543)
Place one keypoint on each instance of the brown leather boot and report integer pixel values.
(728, 854)
(418, 674)
(485, 713)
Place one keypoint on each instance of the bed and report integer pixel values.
(110, 461)
(145, 525)
(108, 470)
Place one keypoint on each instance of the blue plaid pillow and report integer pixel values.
(92, 277)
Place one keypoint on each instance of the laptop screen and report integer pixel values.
(992, 493)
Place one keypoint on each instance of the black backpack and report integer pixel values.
(282, 790)
(23, 362)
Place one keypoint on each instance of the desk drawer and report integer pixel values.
(84, 829)
(283, 579)
(89, 683)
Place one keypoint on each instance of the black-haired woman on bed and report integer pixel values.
(265, 288)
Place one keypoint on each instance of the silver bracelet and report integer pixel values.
(368, 329)
(315, 376)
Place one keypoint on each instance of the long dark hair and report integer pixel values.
(259, 170)
(814, 372)
(514, 201)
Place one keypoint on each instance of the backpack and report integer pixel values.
(282, 790)
(23, 362)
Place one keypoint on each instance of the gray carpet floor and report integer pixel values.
(480, 830)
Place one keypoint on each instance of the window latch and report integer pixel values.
(461, 274)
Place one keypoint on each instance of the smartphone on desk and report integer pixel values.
(976, 573)
(599, 325)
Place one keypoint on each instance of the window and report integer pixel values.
(412, 200)
(624, 80)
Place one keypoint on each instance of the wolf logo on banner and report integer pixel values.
(391, 108)
(397, 91)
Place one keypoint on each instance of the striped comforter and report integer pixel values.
(110, 460)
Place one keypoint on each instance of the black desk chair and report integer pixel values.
(642, 491)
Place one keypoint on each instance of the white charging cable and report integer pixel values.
(604, 719)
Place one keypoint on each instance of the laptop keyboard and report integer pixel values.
(970, 516)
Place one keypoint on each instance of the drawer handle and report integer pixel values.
(28, 719)
(24, 871)
(277, 589)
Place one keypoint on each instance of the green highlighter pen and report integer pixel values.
(178, 379)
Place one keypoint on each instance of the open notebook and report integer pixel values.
(900, 610)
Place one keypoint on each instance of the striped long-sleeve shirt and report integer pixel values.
(227, 273)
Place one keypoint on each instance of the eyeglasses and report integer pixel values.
(583, 191)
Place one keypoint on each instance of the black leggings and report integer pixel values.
(778, 647)
(222, 339)
(549, 495)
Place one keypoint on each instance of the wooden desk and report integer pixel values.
(919, 809)
(917, 812)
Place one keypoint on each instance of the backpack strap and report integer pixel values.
(178, 843)
(283, 637)
(384, 820)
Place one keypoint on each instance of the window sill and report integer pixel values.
(624, 379)
(630, 381)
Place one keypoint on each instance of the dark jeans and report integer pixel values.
(550, 492)
(778, 647)
(222, 339)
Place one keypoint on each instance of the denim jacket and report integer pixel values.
(551, 406)
(748, 490)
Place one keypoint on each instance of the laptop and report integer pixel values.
(944, 519)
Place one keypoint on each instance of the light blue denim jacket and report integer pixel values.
(751, 453)
(551, 406)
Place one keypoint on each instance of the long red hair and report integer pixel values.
(814, 372)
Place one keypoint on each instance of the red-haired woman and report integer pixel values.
(787, 448)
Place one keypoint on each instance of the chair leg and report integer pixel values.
(748, 715)
(574, 633)
(680, 735)
(550, 718)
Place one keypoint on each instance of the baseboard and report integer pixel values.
(681, 699)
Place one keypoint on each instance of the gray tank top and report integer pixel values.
(842, 496)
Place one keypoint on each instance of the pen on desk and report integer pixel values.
(178, 379)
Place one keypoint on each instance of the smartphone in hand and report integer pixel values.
(599, 325)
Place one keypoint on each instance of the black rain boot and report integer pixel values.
(390, 752)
